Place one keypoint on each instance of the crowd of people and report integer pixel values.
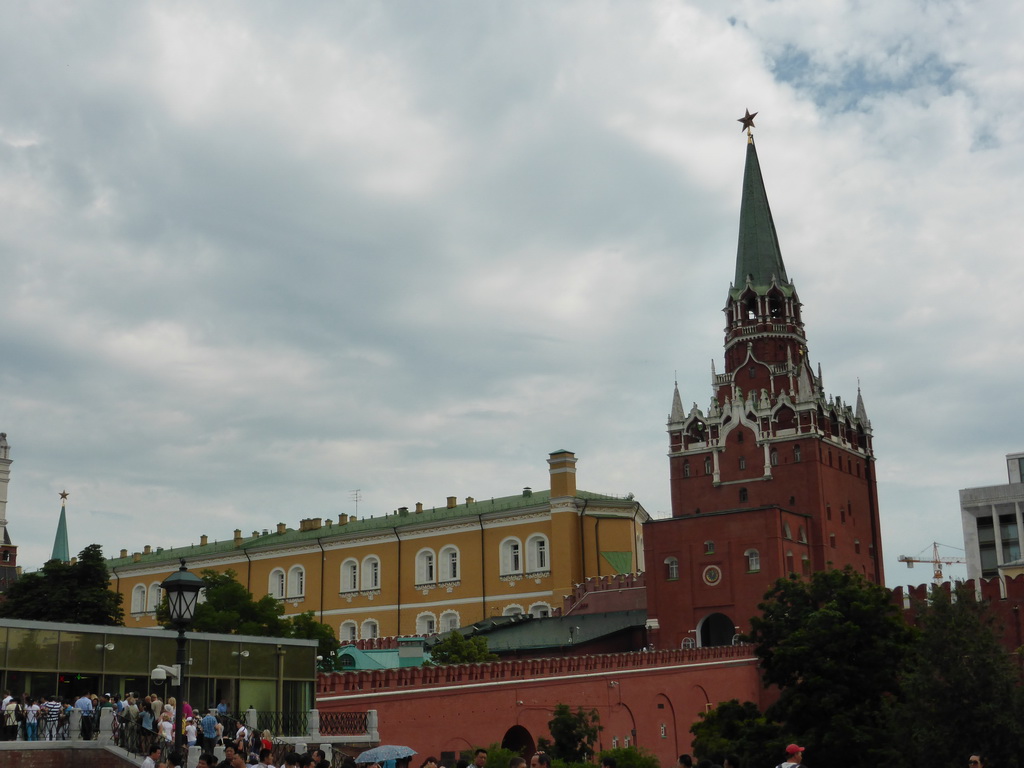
(48, 718)
(159, 757)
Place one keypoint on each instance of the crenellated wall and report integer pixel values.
(645, 698)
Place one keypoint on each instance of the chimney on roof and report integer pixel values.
(403, 511)
(255, 534)
(147, 550)
(203, 540)
(469, 500)
(452, 502)
(281, 527)
(238, 537)
(527, 492)
(562, 466)
(124, 553)
(310, 524)
(419, 507)
(136, 556)
(343, 519)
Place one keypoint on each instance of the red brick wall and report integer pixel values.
(657, 695)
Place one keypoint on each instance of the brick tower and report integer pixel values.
(775, 477)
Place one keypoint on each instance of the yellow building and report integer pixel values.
(417, 571)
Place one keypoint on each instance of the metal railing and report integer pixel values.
(342, 723)
(283, 723)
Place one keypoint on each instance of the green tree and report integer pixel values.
(229, 609)
(572, 734)
(631, 757)
(76, 592)
(737, 729)
(306, 626)
(458, 649)
(497, 756)
(961, 686)
(835, 645)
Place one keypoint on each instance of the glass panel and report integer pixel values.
(300, 662)
(986, 534)
(78, 652)
(32, 649)
(130, 655)
(262, 662)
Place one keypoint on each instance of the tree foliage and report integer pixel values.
(630, 757)
(961, 687)
(835, 645)
(458, 649)
(572, 734)
(737, 729)
(76, 592)
(230, 609)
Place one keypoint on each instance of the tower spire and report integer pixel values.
(758, 256)
(60, 541)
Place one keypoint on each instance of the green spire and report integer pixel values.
(758, 255)
(60, 541)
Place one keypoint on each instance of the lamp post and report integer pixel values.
(182, 589)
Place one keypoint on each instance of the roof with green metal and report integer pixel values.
(525, 632)
(758, 256)
(364, 525)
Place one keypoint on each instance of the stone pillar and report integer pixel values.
(252, 718)
(371, 726)
(104, 734)
(313, 724)
(75, 724)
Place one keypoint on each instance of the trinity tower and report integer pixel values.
(775, 476)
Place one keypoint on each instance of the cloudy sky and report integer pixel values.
(256, 255)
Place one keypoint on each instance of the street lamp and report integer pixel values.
(182, 589)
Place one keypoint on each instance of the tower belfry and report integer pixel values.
(8, 552)
(774, 477)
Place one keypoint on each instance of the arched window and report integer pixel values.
(743, 462)
(856, 546)
(707, 466)
(371, 573)
(775, 457)
(347, 632)
(275, 585)
(671, 568)
(296, 581)
(425, 573)
(796, 454)
(744, 496)
(426, 624)
(153, 597)
(789, 563)
(511, 557)
(139, 598)
(787, 532)
(686, 468)
(449, 621)
(805, 565)
(350, 576)
(369, 630)
(448, 564)
(512, 610)
(537, 553)
(801, 533)
(540, 610)
(753, 560)
(832, 540)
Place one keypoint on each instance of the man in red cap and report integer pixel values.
(794, 756)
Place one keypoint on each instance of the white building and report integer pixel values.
(992, 522)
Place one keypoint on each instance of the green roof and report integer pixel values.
(758, 256)
(364, 525)
(524, 632)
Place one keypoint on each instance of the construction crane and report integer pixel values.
(935, 561)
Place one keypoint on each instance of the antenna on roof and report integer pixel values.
(356, 495)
